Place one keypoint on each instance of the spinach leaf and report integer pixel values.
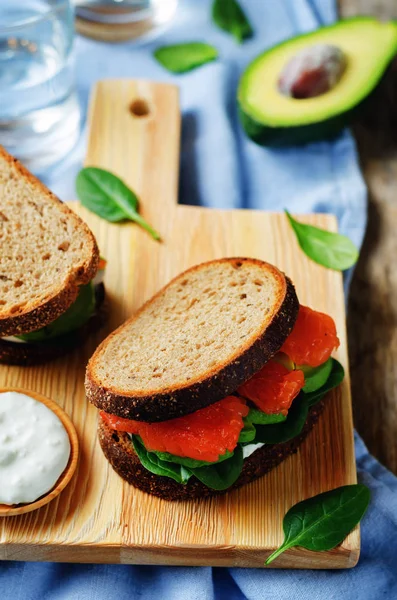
(315, 377)
(73, 318)
(290, 428)
(335, 378)
(332, 250)
(260, 418)
(322, 522)
(230, 17)
(106, 195)
(218, 476)
(190, 463)
(179, 58)
(221, 476)
(247, 434)
(159, 467)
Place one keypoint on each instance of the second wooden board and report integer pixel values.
(100, 518)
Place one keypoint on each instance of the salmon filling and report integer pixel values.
(204, 435)
(210, 432)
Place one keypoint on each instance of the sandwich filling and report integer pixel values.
(77, 315)
(271, 407)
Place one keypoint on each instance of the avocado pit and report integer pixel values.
(312, 72)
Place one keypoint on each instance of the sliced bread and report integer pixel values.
(194, 342)
(118, 449)
(47, 251)
(26, 354)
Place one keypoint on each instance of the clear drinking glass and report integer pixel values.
(39, 110)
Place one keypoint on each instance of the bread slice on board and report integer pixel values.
(118, 449)
(47, 251)
(199, 338)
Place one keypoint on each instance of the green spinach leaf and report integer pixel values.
(159, 467)
(322, 522)
(221, 476)
(258, 417)
(335, 378)
(179, 58)
(316, 377)
(106, 195)
(290, 428)
(73, 318)
(218, 476)
(247, 434)
(230, 17)
(332, 250)
(190, 463)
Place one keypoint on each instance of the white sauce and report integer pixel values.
(250, 449)
(34, 448)
(12, 338)
(99, 277)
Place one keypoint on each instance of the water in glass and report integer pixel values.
(39, 111)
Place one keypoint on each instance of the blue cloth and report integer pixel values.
(221, 168)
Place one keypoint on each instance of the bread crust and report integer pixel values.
(119, 451)
(172, 403)
(28, 354)
(53, 307)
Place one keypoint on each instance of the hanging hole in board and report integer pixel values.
(139, 108)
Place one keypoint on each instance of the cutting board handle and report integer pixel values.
(134, 131)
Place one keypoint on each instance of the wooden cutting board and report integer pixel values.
(135, 131)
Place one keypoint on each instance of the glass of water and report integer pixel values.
(39, 110)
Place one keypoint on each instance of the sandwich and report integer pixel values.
(213, 382)
(51, 293)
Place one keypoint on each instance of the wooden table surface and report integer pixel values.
(372, 308)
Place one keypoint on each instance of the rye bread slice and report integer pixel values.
(119, 451)
(199, 338)
(47, 251)
(38, 353)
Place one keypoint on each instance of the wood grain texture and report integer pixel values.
(66, 476)
(100, 518)
(372, 309)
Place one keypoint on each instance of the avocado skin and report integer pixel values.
(281, 137)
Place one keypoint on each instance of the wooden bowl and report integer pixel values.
(20, 509)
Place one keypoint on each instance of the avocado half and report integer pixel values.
(270, 118)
